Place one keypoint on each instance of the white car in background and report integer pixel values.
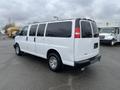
(109, 35)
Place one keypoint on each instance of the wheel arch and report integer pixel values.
(53, 51)
(16, 44)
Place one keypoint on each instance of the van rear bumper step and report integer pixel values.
(87, 62)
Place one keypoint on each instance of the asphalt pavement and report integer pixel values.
(28, 72)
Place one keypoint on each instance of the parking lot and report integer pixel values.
(28, 72)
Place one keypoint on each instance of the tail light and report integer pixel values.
(77, 33)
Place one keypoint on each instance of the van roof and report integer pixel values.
(62, 20)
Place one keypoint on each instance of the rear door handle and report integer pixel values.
(34, 39)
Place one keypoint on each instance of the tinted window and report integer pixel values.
(24, 31)
(33, 30)
(59, 29)
(86, 29)
(95, 29)
(41, 29)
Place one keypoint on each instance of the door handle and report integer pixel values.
(26, 38)
(34, 39)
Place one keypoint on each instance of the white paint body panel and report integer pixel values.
(84, 48)
(21, 40)
(70, 49)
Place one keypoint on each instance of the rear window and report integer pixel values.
(95, 29)
(59, 29)
(33, 29)
(86, 29)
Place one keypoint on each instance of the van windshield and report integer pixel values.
(107, 30)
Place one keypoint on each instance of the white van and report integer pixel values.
(109, 35)
(73, 42)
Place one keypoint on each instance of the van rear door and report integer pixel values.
(95, 38)
(87, 45)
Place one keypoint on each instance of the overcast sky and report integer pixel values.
(24, 11)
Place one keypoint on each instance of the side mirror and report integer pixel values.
(96, 35)
(17, 34)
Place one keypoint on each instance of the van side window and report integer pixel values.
(41, 29)
(59, 29)
(86, 29)
(33, 29)
(24, 31)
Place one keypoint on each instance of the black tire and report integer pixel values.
(18, 51)
(55, 58)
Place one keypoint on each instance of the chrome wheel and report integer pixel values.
(53, 62)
